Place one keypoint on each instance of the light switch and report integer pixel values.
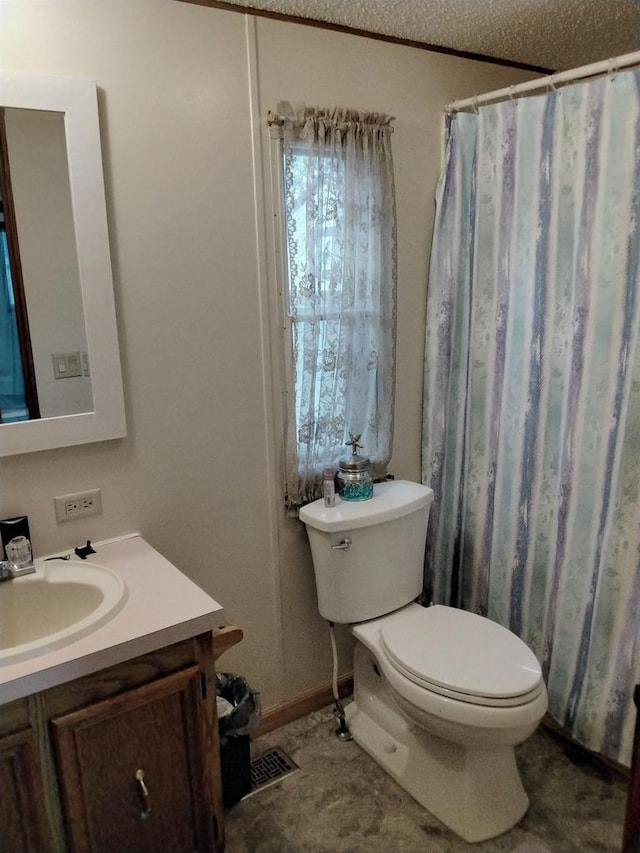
(74, 364)
(66, 364)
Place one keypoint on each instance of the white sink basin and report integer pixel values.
(61, 602)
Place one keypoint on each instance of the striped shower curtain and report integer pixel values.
(531, 432)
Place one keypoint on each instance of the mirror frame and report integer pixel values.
(77, 99)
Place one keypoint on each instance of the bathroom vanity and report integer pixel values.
(111, 741)
(631, 840)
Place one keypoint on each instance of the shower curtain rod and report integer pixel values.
(606, 66)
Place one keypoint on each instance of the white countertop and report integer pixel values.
(163, 607)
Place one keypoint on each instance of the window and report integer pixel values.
(339, 229)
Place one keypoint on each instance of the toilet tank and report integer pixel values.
(368, 556)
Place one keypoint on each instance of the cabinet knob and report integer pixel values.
(145, 812)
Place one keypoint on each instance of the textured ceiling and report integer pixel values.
(551, 34)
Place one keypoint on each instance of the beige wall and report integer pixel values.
(183, 93)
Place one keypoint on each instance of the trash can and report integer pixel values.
(238, 708)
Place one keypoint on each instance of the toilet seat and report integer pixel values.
(462, 656)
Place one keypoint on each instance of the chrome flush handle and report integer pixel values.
(344, 545)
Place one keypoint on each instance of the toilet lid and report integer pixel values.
(457, 652)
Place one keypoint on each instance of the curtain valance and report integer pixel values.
(302, 122)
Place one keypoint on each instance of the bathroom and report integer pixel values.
(183, 90)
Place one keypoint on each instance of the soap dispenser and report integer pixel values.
(354, 478)
(328, 487)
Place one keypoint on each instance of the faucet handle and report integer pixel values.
(84, 551)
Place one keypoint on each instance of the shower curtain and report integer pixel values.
(531, 429)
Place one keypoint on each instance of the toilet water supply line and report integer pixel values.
(342, 731)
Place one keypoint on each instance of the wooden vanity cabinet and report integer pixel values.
(131, 773)
(631, 834)
(22, 827)
(70, 758)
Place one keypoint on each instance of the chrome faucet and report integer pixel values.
(9, 571)
(17, 548)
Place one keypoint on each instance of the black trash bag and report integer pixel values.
(244, 715)
(235, 722)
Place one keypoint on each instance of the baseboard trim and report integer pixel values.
(595, 757)
(312, 700)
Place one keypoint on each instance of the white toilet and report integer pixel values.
(441, 696)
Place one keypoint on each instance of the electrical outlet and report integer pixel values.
(78, 504)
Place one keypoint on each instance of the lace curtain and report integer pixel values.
(340, 236)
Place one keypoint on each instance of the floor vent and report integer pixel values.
(269, 768)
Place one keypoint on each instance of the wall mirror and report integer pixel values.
(60, 376)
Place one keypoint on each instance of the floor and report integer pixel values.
(342, 802)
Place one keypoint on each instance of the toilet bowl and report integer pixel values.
(450, 666)
(448, 744)
(441, 696)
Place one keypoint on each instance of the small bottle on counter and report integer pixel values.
(328, 487)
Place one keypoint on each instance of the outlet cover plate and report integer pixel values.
(78, 505)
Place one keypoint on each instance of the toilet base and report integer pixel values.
(476, 792)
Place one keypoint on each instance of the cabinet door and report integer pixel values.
(22, 820)
(131, 773)
(631, 842)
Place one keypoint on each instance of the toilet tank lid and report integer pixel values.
(390, 500)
